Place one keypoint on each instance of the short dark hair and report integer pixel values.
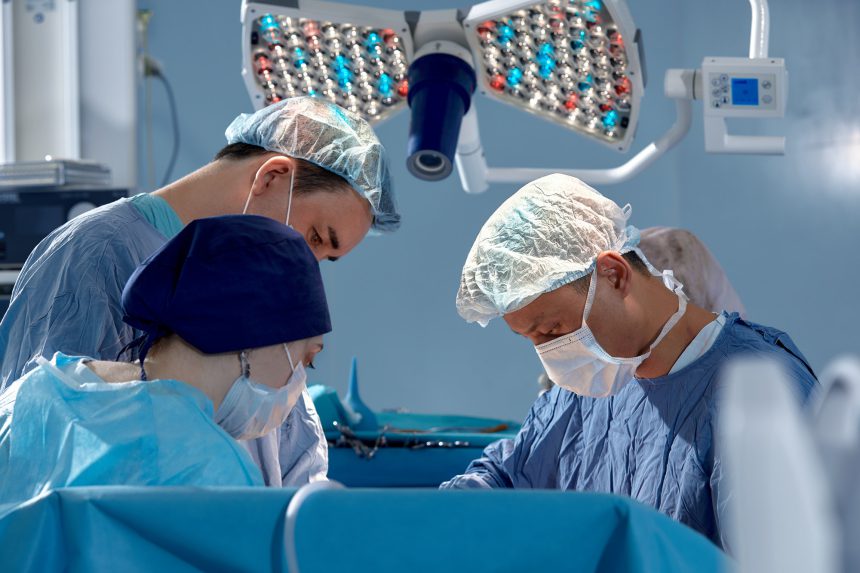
(581, 284)
(309, 176)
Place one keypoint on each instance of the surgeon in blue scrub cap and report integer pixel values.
(303, 162)
(232, 310)
(637, 366)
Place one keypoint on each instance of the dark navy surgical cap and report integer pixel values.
(227, 284)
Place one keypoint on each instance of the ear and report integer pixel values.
(271, 173)
(615, 268)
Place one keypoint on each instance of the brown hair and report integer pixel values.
(309, 176)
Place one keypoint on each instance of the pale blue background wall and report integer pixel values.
(786, 229)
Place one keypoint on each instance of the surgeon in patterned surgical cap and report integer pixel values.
(303, 162)
(637, 367)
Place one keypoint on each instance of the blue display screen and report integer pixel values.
(744, 91)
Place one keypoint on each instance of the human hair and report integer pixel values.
(309, 176)
(581, 285)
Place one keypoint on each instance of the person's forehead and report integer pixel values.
(527, 318)
(552, 305)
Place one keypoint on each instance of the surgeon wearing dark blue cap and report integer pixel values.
(232, 309)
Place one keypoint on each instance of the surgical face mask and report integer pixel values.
(251, 409)
(576, 361)
(289, 200)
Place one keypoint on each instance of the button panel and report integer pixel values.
(747, 91)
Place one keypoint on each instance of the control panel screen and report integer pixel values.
(744, 91)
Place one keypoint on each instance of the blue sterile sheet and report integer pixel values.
(168, 530)
(146, 529)
(421, 531)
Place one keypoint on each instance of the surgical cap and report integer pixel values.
(546, 235)
(228, 284)
(329, 136)
(692, 263)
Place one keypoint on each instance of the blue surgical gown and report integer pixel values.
(653, 441)
(63, 426)
(68, 298)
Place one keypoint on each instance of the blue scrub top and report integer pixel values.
(158, 213)
(653, 441)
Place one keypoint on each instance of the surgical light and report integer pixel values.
(576, 63)
(573, 62)
(359, 66)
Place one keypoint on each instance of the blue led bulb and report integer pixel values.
(386, 85)
(506, 34)
(545, 60)
(268, 22)
(372, 41)
(515, 75)
(610, 120)
(546, 70)
(594, 5)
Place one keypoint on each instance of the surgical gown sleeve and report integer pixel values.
(78, 323)
(296, 453)
(303, 454)
(486, 472)
(512, 463)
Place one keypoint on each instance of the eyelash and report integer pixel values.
(316, 238)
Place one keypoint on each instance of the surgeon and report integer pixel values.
(232, 309)
(705, 282)
(636, 366)
(302, 162)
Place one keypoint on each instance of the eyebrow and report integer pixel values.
(335, 244)
(533, 326)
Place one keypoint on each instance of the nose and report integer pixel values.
(321, 253)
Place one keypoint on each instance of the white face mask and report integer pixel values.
(289, 201)
(576, 361)
(251, 409)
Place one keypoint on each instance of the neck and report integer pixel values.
(211, 374)
(219, 188)
(667, 352)
(173, 359)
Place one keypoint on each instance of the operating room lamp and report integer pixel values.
(576, 63)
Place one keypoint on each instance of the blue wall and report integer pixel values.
(787, 229)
